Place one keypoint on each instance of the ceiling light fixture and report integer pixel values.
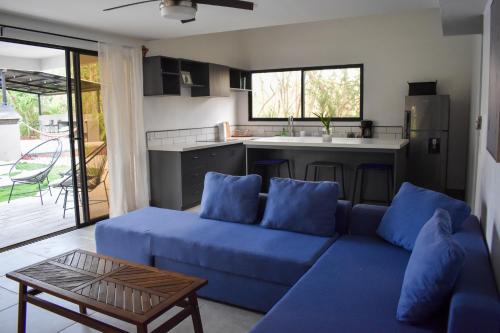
(178, 9)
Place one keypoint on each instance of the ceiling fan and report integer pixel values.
(185, 10)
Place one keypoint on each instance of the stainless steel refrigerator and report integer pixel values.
(426, 126)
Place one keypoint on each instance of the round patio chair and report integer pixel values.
(97, 173)
(34, 166)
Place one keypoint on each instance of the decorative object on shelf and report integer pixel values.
(326, 121)
(145, 51)
(351, 135)
(186, 78)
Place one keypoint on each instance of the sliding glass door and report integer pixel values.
(88, 138)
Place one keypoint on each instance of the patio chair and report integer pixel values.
(43, 157)
(97, 174)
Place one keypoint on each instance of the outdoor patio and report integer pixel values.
(25, 218)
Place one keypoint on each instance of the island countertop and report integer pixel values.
(189, 146)
(317, 142)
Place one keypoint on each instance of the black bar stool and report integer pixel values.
(328, 165)
(266, 164)
(360, 169)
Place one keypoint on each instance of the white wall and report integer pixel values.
(19, 63)
(488, 176)
(395, 49)
(177, 112)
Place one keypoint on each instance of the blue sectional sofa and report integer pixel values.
(356, 283)
(246, 265)
(347, 283)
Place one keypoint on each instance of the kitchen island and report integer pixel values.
(350, 152)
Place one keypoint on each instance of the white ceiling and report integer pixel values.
(27, 51)
(144, 21)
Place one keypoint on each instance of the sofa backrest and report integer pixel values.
(342, 215)
(475, 303)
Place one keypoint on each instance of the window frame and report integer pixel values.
(302, 92)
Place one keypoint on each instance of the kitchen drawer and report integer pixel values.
(195, 159)
(216, 159)
(227, 159)
(191, 195)
(193, 176)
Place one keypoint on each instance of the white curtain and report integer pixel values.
(122, 96)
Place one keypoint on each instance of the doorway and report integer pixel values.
(53, 154)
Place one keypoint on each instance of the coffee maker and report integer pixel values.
(366, 129)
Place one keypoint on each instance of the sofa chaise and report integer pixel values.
(246, 265)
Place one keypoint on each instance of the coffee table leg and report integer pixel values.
(142, 328)
(195, 314)
(21, 315)
(83, 309)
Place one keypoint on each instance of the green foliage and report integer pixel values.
(26, 190)
(27, 107)
(336, 92)
(325, 119)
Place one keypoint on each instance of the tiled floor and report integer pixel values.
(217, 318)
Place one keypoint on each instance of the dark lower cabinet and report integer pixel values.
(176, 178)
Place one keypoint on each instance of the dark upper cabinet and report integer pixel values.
(161, 76)
(217, 82)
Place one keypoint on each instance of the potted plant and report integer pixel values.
(326, 121)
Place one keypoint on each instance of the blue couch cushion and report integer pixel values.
(305, 207)
(248, 250)
(411, 208)
(475, 303)
(231, 198)
(353, 287)
(432, 270)
(128, 236)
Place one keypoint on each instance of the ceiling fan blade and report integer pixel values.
(239, 4)
(187, 21)
(128, 5)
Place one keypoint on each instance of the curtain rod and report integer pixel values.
(3, 26)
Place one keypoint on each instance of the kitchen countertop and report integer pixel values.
(317, 142)
(279, 141)
(188, 146)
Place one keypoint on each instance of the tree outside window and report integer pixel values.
(334, 91)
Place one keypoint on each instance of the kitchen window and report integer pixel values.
(335, 90)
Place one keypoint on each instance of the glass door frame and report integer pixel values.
(72, 63)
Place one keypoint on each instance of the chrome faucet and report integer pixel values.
(291, 130)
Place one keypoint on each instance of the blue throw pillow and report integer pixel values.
(411, 208)
(433, 268)
(231, 198)
(305, 207)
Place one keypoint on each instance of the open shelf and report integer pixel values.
(240, 80)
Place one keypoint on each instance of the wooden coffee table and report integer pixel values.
(137, 294)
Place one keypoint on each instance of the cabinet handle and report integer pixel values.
(195, 157)
(213, 154)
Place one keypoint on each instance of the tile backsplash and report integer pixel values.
(189, 135)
